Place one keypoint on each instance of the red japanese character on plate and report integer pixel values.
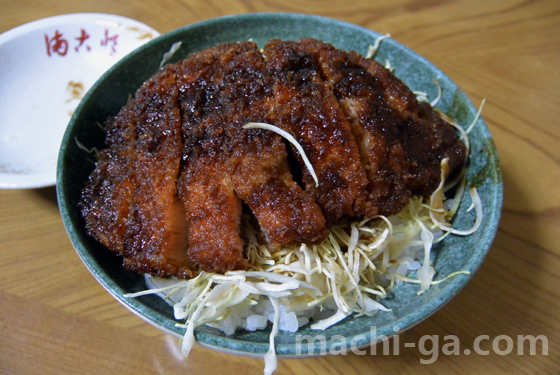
(110, 40)
(82, 38)
(57, 44)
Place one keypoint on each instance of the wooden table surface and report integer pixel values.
(56, 319)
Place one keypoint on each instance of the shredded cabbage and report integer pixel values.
(422, 96)
(372, 49)
(270, 363)
(169, 54)
(290, 138)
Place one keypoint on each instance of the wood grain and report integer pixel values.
(56, 319)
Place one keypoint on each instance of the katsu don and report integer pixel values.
(179, 169)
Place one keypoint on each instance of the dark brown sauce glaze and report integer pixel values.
(167, 193)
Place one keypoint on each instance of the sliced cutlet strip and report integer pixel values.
(374, 124)
(107, 196)
(130, 204)
(156, 241)
(237, 92)
(262, 178)
(206, 190)
(306, 108)
(213, 210)
(426, 137)
(260, 170)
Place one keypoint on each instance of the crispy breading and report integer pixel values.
(426, 137)
(129, 201)
(307, 109)
(374, 125)
(167, 192)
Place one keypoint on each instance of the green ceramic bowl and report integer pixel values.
(110, 93)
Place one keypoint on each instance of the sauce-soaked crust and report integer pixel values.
(167, 192)
(426, 137)
(213, 210)
(135, 206)
(107, 196)
(105, 202)
(374, 125)
(264, 182)
(258, 158)
(251, 165)
(213, 213)
(306, 108)
(151, 242)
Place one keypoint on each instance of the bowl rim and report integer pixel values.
(228, 344)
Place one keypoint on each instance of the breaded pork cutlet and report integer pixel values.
(307, 109)
(130, 202)
(374, 124)
(167, 193)
(258, 158)
(426, 137)
(213, 210)
(250, 165)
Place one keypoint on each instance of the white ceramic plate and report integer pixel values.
(46, 67)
